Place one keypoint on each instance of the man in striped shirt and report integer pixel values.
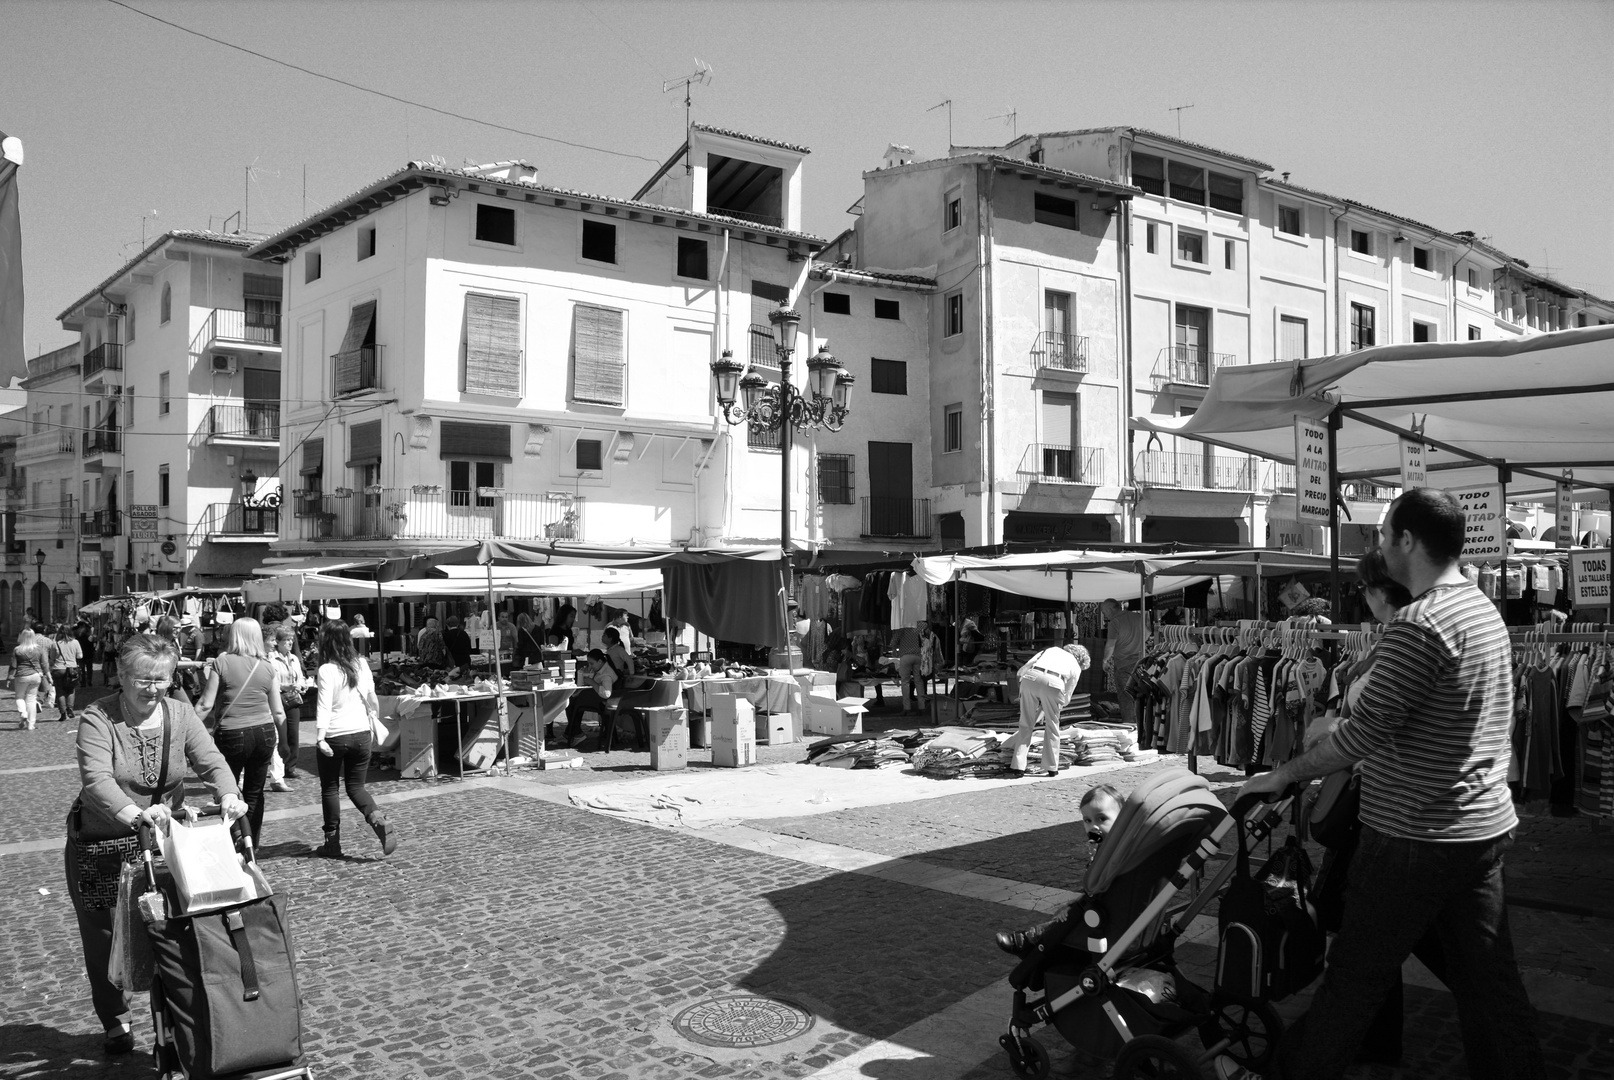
(1431, 730)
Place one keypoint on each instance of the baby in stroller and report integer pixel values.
(1103, 972)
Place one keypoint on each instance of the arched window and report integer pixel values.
(167, 309)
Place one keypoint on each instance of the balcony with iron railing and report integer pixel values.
(1368, 491)
(1188, 365)
(259, 328)
(102, 440)
(425, 513)
(1051, 463)
(248, 422)
(888, 516)
(358, 369)
(40, 445)
(104, 522)
(48, 520)
(1279, 479)
(1215, 472)
(104, 357)
(227, 521)
(1066, 352)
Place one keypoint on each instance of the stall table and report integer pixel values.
(774, 693)
(530, 712)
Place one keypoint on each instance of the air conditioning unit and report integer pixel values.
(223, 364)
(112, 390)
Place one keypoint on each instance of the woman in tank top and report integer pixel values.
(242, 703)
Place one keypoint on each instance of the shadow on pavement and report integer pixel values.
(34, 1050)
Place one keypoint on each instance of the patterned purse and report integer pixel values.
(100, 862)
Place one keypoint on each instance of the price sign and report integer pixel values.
(143, 521)
(1486, 538)
(1588, 578)
(1413, 472)
(1566, 515)
(1312, 494)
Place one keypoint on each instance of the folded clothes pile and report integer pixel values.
(960, 752)
(880, 753)
(1096, 742)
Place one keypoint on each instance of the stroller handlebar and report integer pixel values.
(1243, 805)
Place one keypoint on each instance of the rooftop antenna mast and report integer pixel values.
(1178, 109)
(1013, 117)
(702, 76)
(949, 104)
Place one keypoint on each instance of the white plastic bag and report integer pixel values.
(207, 871)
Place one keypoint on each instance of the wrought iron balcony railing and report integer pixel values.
(252, 421)
(1067, 352)
(105, 357)
(1188, 365)
(236, 519)
(1051, 463)
(1163, 468)
(424, 513)
(895, 517)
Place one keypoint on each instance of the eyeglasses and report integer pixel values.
(153, 684)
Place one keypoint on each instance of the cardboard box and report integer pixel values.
(776, 729)
(733, 731)
(669, 737)
(417, 745)
(821, 683)
(827, 716)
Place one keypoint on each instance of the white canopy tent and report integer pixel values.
(568, 581)
(1082, 577)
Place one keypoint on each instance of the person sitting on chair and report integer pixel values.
(1100, 807)
(599, 682)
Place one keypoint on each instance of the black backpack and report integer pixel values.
(1269, 943)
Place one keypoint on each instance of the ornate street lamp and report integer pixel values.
(753, 401)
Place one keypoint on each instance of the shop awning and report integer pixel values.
(320, 565)
(557, 553)
(553, 580)
(1084, 577)
(1536, 406)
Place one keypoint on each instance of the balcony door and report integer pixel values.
(1191, 357)
(1061, 436)
(472, 515)
(260, 391)
(1056, 325)
(891, 489)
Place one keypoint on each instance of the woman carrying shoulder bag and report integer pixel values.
(64, 669)
(243, 698)
(134, 750)
(348, 711)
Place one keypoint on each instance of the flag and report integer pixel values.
(12, 361)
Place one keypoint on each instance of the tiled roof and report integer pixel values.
(418, 174)
(207, 236)
(750, 138)
(829, 271)
(1158, 137)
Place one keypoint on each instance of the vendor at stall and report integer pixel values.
(458, 644)
(598, 681)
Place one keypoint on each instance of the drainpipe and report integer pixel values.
(1129, 511)
(1339, 293)
(983, 201)
(809, 502)
(1466, 253)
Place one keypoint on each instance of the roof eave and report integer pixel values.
(172, 236)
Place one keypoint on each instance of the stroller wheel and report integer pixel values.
(1155, 1057)
(1026, 1056)
(1251, 1029)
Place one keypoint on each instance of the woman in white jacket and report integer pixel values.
(347, 703)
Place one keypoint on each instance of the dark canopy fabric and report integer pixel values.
(734, 600)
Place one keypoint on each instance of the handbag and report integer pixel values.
(100, 862)
(225, 615)
(1269, 943)
(1333, 817)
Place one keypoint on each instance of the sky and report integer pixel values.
(1490, 117)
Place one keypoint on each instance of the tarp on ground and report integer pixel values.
(1539, 403)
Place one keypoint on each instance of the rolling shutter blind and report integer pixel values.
(313, 456)
(364, 444)
(348, 368)
(1293, 343)
(260, 285)
(1059, 419)
(492, 345)
(481, 442)
(599, 363)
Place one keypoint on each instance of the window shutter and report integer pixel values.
(773, 295)
(348, 368)
(492, 345)
(481, 442)
(1292, 345)
(313, 456)
(260, 285)
(364, 444)
(1059, 419)
(599, 363)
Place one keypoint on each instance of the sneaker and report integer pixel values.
(1228, 1069)
(279, 785)
(119, 1040)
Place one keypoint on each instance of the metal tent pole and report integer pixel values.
(498, 678)
(1334, 421)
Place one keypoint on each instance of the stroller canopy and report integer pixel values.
(1167, 808)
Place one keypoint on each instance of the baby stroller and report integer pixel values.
(224, 997)
(1104, 975)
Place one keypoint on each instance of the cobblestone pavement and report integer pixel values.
(513, 935)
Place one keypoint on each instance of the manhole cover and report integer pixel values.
(742, 1021)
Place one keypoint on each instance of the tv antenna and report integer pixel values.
(1178, 109)
(1012, 116)
(143, 219)
(949, 104)
(702, 76)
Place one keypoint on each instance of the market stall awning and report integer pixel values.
(321, 565)
(549, 580)
(556, 553)
(1085, 577)
(1536, 405)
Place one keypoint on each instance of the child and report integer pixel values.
(1100, 806)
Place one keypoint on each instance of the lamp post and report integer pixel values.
(39, 585)
(752, 401)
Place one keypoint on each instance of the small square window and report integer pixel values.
(692, 258)
(162, 485)
(1289, 220)
(953, 428)
(311, 270)
(366, 242)
(953, 217)
(1422, 331)
(1190, 246)
(953, 315)
(590, 454)
(1361, 242)
(1052, 210)
(835, 479)
(837, 303)
(1473, 278)
(496, 224)
(162, 394)
(1227, 253)
(1423, 258)
(888, 376)
(1151, 237)
(599, 241)
(887, 309)
(1473, 332)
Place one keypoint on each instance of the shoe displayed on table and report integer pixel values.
(119, 1040)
